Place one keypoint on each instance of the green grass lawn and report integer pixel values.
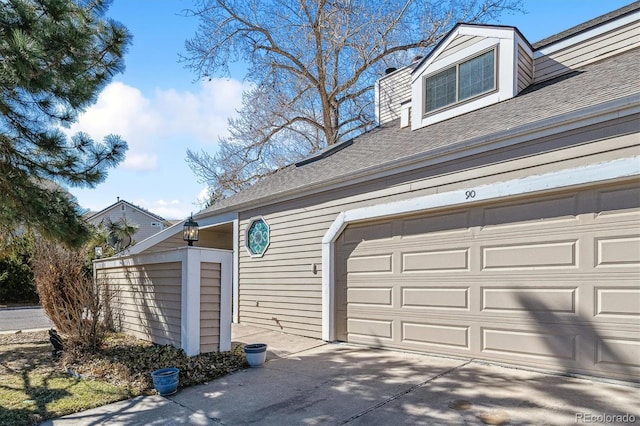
(35, 387)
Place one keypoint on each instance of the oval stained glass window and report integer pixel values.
(257, 239)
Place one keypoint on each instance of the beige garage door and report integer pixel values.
(549, 282)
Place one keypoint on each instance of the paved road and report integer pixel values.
(23, 319)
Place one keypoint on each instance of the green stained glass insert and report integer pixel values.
(258, 237)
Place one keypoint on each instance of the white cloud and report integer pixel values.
(152, 124)
(171, 210)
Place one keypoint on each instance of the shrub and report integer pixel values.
(68, 293)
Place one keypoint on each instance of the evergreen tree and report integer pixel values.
(55, 58)
(16, 275)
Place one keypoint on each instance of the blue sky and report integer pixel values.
(158, 108)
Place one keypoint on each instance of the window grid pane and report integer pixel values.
(476, 76)
(441, 89)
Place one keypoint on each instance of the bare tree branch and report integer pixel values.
(314, 64)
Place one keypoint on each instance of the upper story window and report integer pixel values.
(460, 82)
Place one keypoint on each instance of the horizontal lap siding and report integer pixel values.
(280, 290)
(525, 69)
(459, 43)
(393, 90)
(596, 49)
(147, 300)
(209, 307)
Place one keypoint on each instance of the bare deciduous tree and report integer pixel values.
(313, 64)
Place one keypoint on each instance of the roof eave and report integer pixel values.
(620, 107)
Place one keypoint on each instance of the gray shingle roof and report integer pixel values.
(594, 84)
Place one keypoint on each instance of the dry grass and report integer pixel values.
(35, 387)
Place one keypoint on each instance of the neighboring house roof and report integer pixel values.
(603, 19)
(90, 215)
(390, 146)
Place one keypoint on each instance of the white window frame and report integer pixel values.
(457, 102)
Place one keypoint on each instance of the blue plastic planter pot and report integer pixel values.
(256, 354)
(165, 380)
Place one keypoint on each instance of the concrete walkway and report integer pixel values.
(308, 382)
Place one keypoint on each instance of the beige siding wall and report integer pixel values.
(392, 91)
(282, 291)
(209, 307)
(459, 43)
(593, 50)
(525, 69)
(146, 300)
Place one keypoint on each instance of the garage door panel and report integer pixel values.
(450, 225)
(379, 296)
(559, 209)
(369, 328)
(616, 200)
(552, 254)
(359, 234)
(359, 264)
(618, 352)
(617, 302)
(617, 251)
(509, 343)
(426, 334)
(457, 298)
(436, 260)
(528, 299)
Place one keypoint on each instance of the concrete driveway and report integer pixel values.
(307, 382)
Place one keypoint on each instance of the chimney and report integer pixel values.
(392, 90)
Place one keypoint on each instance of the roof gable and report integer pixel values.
(119, 203)
(505, 45)
(461, 36)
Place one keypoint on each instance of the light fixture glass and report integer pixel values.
(190, 231)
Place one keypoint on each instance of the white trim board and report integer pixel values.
(567, 178)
